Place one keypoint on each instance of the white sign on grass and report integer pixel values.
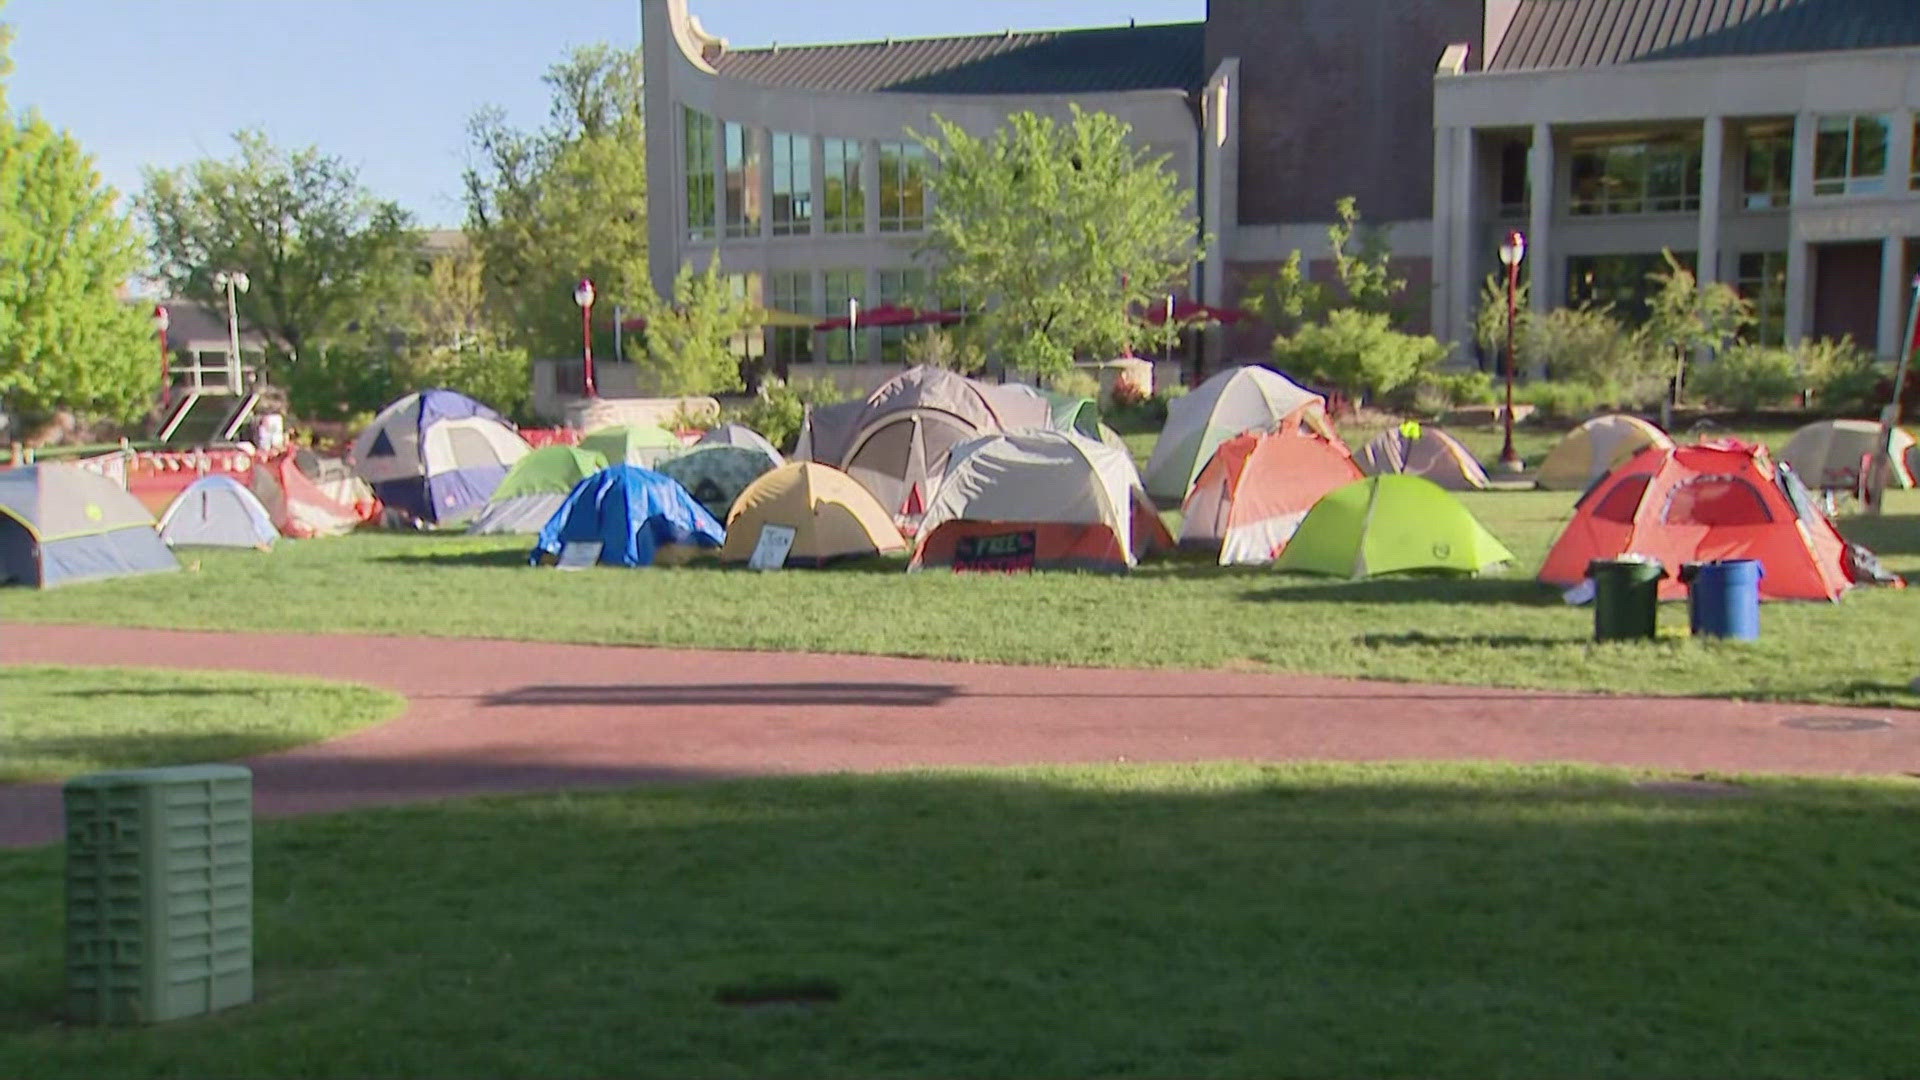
(771, 552)
(579, 554)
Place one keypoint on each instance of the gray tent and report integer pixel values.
(217, 511)
(732, 434)
(61, 524)
(716, 475)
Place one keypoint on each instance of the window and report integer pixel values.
(791, 291)
(903, 187)
(845, 200)
(751, 344)
(1850, 155)
(743, 180)
(905, 288)
(1769, 173)
(1619, 280)
(1762, 279)
(843, 285)
(1715, 500)
(698, 167)
(1516, 180)
(1636, 175)
(792, 184)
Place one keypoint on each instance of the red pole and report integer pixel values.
(586, 347)
(1507, 455)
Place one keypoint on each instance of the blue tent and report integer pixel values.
(631, 513)
(59, 524)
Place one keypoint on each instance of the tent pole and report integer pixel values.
(1883, 462)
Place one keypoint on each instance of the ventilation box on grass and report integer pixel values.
(159, 893)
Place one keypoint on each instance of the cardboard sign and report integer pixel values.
(579, 554)
(1003, 552)
(771, 552)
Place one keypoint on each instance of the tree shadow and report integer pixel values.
(494, 558)
(1418, 639)
(1524, 592)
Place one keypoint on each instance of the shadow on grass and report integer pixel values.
(864, 695)
(50, 758)
(501, 558)
(1419, 639)
(520, 557)
(1411, 590)
(1194, 921)
(1892, 534)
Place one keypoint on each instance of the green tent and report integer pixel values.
(535, 488)
(716, 474)
(1071, 412)
(1390, 524)
(633, 444)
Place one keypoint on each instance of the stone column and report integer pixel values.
(1713, 182)
(1540, 171)
(1441, 303)
(1893, 295)
(1798, 315)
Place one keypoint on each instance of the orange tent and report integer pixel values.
(1716, 500)
(298, 507)
(1258, 487)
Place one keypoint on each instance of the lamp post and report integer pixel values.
(233, 281)
(1512, 250)
(160, 322)
(583, 296)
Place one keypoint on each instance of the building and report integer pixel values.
(1776, 134)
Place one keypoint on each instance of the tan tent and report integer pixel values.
(1039, 500)
(1422, 450)
(1593, 449)
(1232, 401)
(1827, 454)
(832, 516)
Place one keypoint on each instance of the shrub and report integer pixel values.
(1587, 345)
(1075, 383)
(780, 408)
(1747, 377)
(1844, 378)
(1358, 352)
(1561, 400)
(1132, 410)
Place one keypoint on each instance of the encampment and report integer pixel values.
(644, 445)
(297, 507)
(1232, 401)
(831, 515)
(1827, 455)
(217, 511)
(436, 455)
(1716, 500)
(1038, 500)
(60, 524)
(1257, 489)
(735, 434)
(716, 475)
(1390, 525)
(1594, 448)
(535, 487)
(1418, 449)
(625, 515)
(337, 481)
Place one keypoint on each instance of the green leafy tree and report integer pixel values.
(546, 208)
(1051, 233)
(1684, 319)
(693, 343)
(450, 344)
(1359, 352)
(327, 259)
(1362, 258)
(67, 339)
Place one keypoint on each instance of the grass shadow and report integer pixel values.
(1890, 534)
(854, 695)
(1524, 592)
(1417, 639)
(493, 558)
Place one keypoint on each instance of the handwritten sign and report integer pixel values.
(771, 552)
(579, 554)
(1003, 552)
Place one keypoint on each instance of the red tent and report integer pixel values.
(1715, 500)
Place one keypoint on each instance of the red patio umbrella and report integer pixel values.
(1193, 311)
(892, 315)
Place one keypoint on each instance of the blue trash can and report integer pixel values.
(1723, 598)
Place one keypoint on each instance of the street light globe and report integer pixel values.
(160, 317)
(1513, 249)
(241, 281)
(583, 293)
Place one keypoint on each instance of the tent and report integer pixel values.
(1389, 525)
(337, 481)
(1232, 401)
(295, 504)
(1039, 500)
(1715, 500)
(1257, 489)
(535, 488)
(1065, 412)
(1422, 450)
(1827, 454)
(633, 444)
(217, 511)
(1594, 448)
(626, 516)
(436, 455)
(61, 524)
(732, 434)
(716, 475)
(831, 515)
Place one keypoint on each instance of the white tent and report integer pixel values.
(1232, 401)
(217, 511)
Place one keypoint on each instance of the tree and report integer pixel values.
(691, 342)
(1490, 323)
(327, 259)
(67, 339)
(1357, 351)
(549, 207)
(450, 344)
(1362, 261)
(1684, 319)
(1051, 234)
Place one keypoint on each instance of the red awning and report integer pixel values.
(892, 315)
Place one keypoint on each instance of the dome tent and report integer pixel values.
(217, 511)
(1232, 401)
(1257, 489)
(735, 434)
(645, 445)
(1391, 524)
(436, 455)
(1417, 449)
(629, 516)
(534, 489)
(1827, 454)
(60, 524)
(1594, 448)
(298, 507)
(716, 475)
(831, 515)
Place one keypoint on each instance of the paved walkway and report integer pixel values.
(491, 716)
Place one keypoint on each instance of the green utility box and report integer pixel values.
(159, 893)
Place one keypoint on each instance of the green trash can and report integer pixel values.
(1626, 597)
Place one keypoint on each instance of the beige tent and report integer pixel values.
(1039, 500)
(1827, 454)
(1232, 401)
(832, 516)
(1591, 450)
(1422, 450)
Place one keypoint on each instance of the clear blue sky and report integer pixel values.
(389, 84)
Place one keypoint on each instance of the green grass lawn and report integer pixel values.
(63, 721)
(1228, 920)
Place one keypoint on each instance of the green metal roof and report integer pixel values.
(1594, 33)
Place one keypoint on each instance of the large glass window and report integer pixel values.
(903, 187)
(752, 344)
(845, 201)
(1850, 155)
(791, 291)
(743, 180)
(792, 183)
(905, 288)
(697, 165)
(1623, 281)
(1768, 180)
(1635, 175)
(1761, 277)
(843, 285)
(1516, 179)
